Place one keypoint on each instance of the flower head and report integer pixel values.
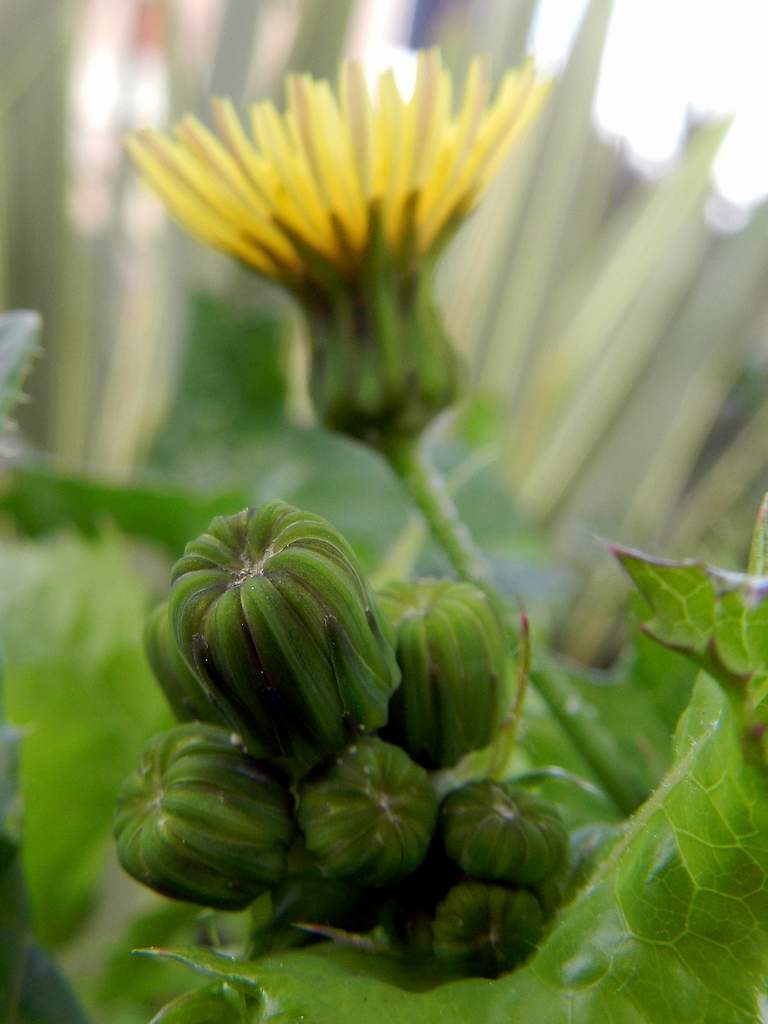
(307, 193)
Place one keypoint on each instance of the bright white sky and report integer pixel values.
(667, 58)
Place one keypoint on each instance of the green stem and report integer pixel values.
(427, 490)
(593, 742)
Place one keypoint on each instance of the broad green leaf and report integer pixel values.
(32, 991)
(78, 684)
(18, 342)
(331, 985)
(41, 500)
(718, 618)
(231, 384)
(672, 927)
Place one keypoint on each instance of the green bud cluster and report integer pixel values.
(313, 715)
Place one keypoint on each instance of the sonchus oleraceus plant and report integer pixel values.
(345, 764)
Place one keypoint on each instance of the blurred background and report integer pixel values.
(609, 297)
(609, 293)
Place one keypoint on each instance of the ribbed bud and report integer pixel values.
(451, 652)
(487, 928)
(382, 364)
(370, 816)
(183, 689)
(270, 606)
(501, 832)
(203, 821)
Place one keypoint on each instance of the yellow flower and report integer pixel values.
(310, 190)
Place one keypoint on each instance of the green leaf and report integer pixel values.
(126, 984)
(214, 1004)
(231, 383)
(673, 926)
(19, 332)
(80, 687)
(32, 991)
(334, 985)
(45, 996)
(298, 465)
(631, 711)
(718, 618)
(41, 500)
(14, 916)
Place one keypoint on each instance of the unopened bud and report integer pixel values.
(498, 831)
(370, 816)
(487, 928)
(451, 652)
(202, 821)
(271, 607)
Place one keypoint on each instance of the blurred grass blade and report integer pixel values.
(515, 308)
(588, 369)
(238, 31)
(19, 333)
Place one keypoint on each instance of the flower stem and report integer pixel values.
(428, 492)
(593, 742)
(430, 495)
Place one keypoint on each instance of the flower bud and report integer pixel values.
(382, 364)
(202, 821)
(501, 832)
(451, 652)
(487, 928)
(271, 608)
(183, 690)
(369, 817)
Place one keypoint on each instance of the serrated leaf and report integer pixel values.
(19, 331)
(673, 926)
(718, 618)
